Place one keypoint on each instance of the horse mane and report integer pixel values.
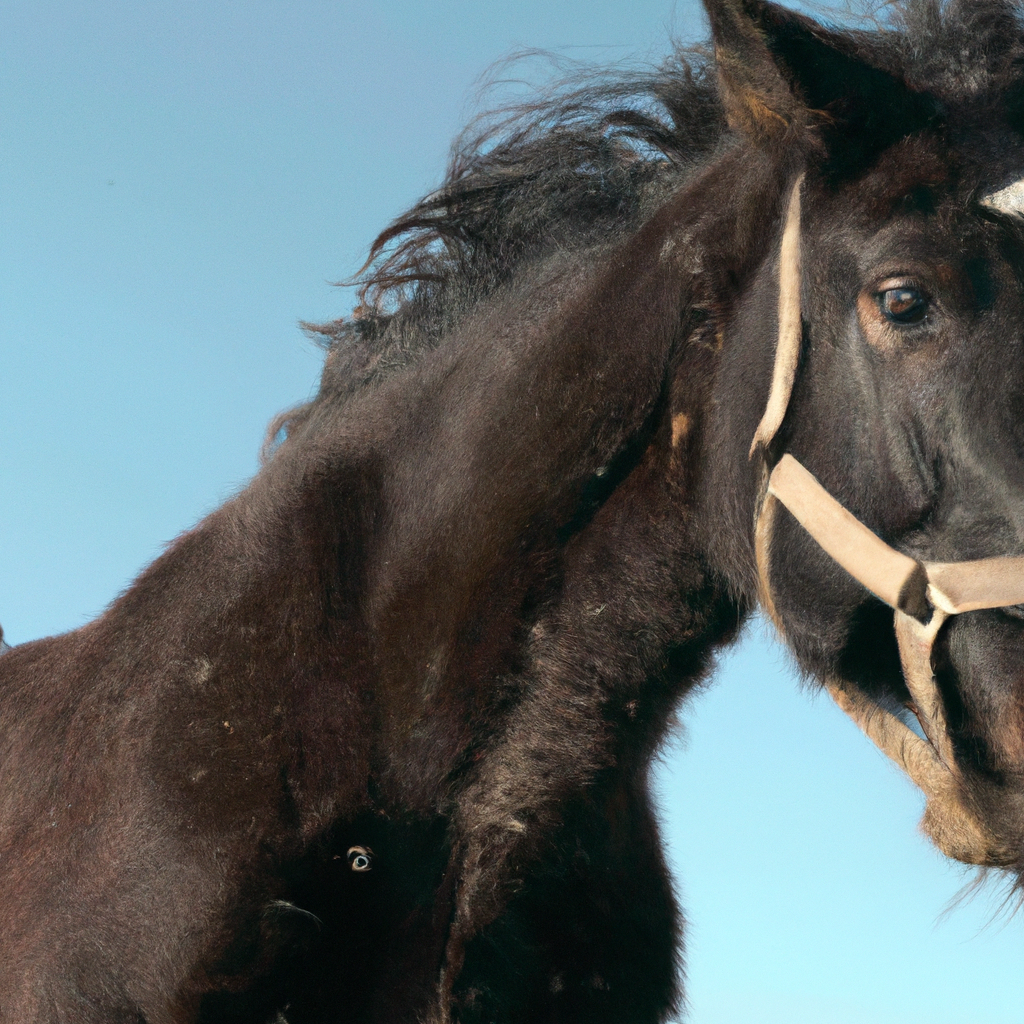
(588, 157)
(575, 166)
(963, 51)
(597, 148)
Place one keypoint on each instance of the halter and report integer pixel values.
(923, 595)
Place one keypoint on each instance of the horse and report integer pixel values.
(372, 741)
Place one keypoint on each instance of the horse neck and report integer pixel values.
(391, 510)
(491, 444)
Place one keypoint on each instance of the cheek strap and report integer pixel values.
(787, 349)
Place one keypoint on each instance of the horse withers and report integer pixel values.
(372, 741)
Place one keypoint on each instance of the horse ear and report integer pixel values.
(758, 100)
(780, 70)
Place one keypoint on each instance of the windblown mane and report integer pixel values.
(573, 168)
(578, 165)
(587, 158)
(582, 162)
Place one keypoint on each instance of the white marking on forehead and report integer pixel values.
(1007, 200)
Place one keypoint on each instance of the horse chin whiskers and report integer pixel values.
(1005, 885)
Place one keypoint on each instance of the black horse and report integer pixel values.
(372, 741)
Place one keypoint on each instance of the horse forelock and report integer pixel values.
(959, 49)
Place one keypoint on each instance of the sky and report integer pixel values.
(180, 184)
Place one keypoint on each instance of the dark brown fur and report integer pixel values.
(451, 617)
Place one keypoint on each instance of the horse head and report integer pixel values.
(871, 386)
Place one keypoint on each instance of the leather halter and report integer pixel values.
(923, 595)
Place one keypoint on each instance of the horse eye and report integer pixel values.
(903, 305)
(360, 858)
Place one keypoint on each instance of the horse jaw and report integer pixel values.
(949, 821)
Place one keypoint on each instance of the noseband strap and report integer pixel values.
(905, 584)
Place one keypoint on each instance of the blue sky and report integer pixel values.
(179, 183)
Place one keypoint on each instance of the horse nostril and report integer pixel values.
(1015, 611)
(360, 858)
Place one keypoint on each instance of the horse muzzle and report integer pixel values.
(923, 596)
